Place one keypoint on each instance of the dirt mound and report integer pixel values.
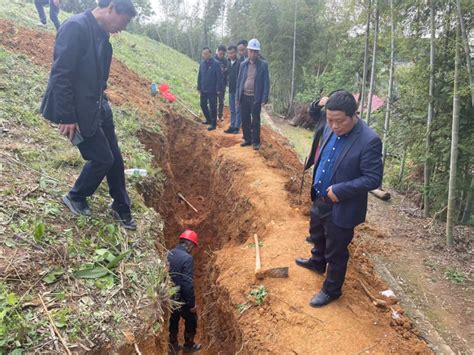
(239, 192)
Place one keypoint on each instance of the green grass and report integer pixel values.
(37, 167)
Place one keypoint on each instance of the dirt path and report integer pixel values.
(435, 284)
(239, 192)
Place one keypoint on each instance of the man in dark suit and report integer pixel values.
(348, 165)
(210, 84)
(75, 100)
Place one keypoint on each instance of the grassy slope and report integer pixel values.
(41, 246)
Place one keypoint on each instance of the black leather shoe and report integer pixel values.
(125, 219)
(76, 207)
(309, 240)
(211, 128)
(229, 130)
(205, 122)
(308, 264)
(321, 299)
(245, 144)
(256, 146)
(192, 348)
(236, 131)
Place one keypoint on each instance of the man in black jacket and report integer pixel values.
(75, 100)
(233, 66)
(220, 57)
(210, 84)
(181, 270)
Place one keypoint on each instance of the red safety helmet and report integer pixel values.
(190, 235)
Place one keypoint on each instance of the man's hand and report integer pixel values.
(332, 196)
(68, 130)
(323, 101)
(193, 310)
(263, 104)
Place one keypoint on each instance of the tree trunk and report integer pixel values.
(454, 148)
(292, 92)
(429, 120)
(366, 60)
(468, 207)
(465, 43)
(386, 126)
(374, 60)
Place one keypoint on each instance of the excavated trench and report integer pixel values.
(193, 168)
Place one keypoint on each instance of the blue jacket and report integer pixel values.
(357, 170)
(181, 271)
(79, 74)
(262, 81)
(210, 77)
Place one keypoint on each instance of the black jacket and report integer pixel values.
(317, 113)
(262, 81)
(210, 79)
(233, 74)
(357, 170)
(224, 67)
(81, 65)
(181, 271)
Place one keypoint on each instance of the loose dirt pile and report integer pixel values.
(239, 192)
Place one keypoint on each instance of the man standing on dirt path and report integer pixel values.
(253, 88)
(210, 84)
(53, 12)
(233, 70)
(180, 261)
(75, 100)
(220, 57)
(348, 166)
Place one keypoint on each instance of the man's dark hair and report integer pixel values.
(232, 47)
(206, 48)
(342, 100)
(122, 7)
(243, 42)
(222, 48)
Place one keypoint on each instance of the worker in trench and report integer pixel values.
(180, 261)
(347, 166)
(75, 99)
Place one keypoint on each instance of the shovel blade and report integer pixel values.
(278, 272)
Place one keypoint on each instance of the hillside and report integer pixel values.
(104, 288)
(88, 271)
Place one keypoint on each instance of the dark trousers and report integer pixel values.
(330, 250)
(209, 107)
(190, 325)
(104, 159)
(250, 112)
(53, 12)
(221, 100)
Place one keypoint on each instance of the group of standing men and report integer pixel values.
(247, 77)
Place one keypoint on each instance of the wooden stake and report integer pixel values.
(187, 202)
(54, 326)
(302, 180)
(258, 264)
